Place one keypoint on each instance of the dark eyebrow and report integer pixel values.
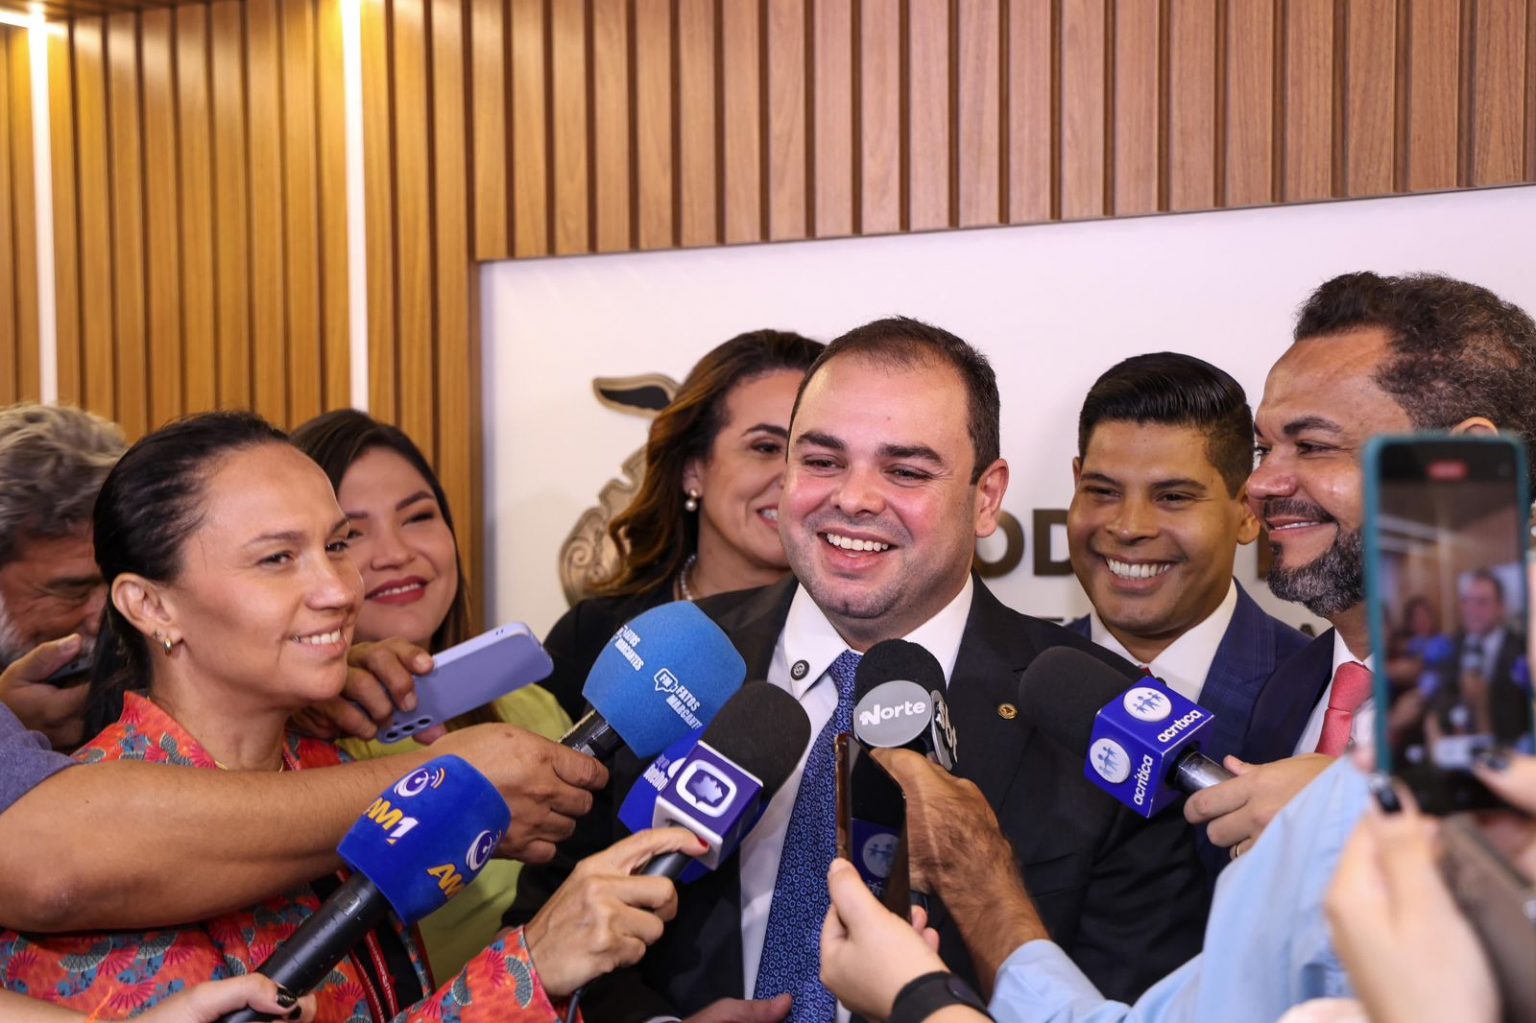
(1097, 477)
(70, 582)
(821, 440)
(294, 535)
(919, 451)
(1179, 484)
(1305, 423)
(777, 431)
(420, 495)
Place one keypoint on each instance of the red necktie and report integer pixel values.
(1351, 687)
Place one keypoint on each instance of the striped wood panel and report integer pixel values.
(19, 378)
(199, 211)
(613, 125)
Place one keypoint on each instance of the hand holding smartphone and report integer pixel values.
(1446, 538)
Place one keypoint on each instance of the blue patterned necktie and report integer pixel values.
(792, 945)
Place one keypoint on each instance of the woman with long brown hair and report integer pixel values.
(706, 518)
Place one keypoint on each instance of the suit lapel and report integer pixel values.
(1285, 704)
(992, 654)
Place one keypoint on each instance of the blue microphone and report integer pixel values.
(419, 844)
(719, 790)
(664, 674)
(1141, 740)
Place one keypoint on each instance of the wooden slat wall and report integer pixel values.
(419, 66)
(19, 379)
(613, 125)
(200, 211)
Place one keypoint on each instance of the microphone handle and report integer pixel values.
(322, 941)
(1195, 771)
(670, 865)
(593, 736)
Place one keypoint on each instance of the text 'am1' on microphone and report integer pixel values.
(418, 845)
(898, 692)
(740, 761)
(664, 674)
(1141, 740)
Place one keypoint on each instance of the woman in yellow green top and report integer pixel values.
(402, 541)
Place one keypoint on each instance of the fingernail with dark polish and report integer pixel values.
(1496, 760)
(286, 998)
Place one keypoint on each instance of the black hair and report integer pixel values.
(1458, 350)
(1171, 389)
(901, 341)
(151, 501)
(337, 439)
(1484, 575)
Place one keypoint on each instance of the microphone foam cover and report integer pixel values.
(664, 674)
(428, 835)
(896, 659)
(763, 730)
(1062, 691)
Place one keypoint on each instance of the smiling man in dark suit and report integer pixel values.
(1159, 508)
(893, 474)
(1372, 355)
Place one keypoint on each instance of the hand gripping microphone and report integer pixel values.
(664, 674)
(1141, 739)
(898, 692)
(741, 760)
(419, 844)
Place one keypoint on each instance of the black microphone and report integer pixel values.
(420, 843)
(664, 674)
(898, 692)
(741, 760)
(1140, 742)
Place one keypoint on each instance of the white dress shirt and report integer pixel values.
(1187, 661)
(1361, 725)
(810, 641)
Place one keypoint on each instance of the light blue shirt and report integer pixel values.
(1267, 946)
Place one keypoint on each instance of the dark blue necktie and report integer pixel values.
(792, 945)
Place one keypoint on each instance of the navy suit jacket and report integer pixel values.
(1253, 646)
(1286, 702)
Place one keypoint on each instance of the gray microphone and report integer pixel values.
(898, 692)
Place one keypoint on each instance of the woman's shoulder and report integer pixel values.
(603, 615)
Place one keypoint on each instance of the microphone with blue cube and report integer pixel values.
(1141, 741)
(420, 843)
(663, 675)
(719, 788)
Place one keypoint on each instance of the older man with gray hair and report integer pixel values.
(53, 460)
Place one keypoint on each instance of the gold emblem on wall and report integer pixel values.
(588, 556)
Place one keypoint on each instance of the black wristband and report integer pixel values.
(923, 996)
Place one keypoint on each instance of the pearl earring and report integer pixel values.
(692, 504)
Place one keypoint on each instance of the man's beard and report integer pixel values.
(1329, 584)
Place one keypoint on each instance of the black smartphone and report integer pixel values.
(872, 824)
(76, 672)
(1446, 537)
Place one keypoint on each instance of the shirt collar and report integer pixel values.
(811, 639)
(1187, 661)
(1342, 654)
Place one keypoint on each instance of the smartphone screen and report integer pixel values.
(1446, 545)
(871, 823)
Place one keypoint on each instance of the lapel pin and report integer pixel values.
(798, 669)
(1007, 711)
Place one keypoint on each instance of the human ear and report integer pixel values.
(1476, 426)
(143, 603)
(990, 489)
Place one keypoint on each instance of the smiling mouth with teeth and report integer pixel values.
(770, 514)
(394, 590)
(319, 638)
(1138, 570)
(848, 543)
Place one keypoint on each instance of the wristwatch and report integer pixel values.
(926, 995)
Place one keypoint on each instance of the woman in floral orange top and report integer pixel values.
(232, 606)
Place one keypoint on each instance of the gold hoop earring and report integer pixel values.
(692, 504)
(166, 643)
